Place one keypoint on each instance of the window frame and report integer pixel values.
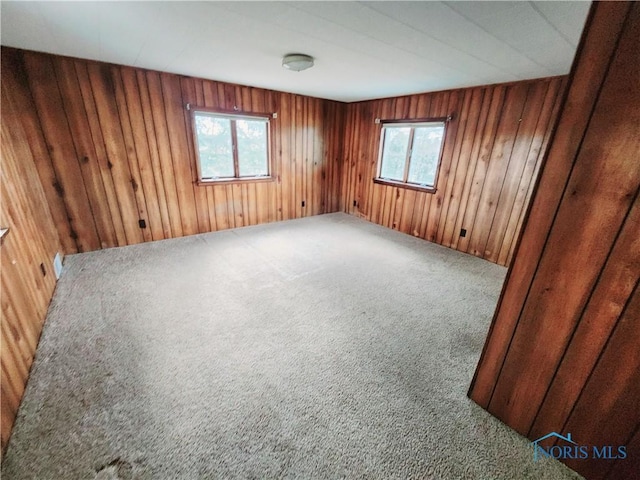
(412, 123)
(233, 116)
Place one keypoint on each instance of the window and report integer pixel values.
(410, 154)
(231, 147)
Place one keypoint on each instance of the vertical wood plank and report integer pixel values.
(155, 166)
(188, 90)
(599, 194)
(156, 103)
(129, 147)
(506, 135)
(563, 354)
(515, 168)
(141, 152)
(453, 197)
(174, 111)
(27, 279)
(89, 166)
(104, 93)
(613, 391)
(15, 88)
(70, 184)
(602, 32)
(93, 124)
(482, 166)
(614, 288)
(529, 170)
(273, 106)
(452, 171)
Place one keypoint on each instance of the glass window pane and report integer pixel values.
(394, 152)
(252, 147)
(214, 146)
(425, 154)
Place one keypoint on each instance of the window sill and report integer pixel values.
(230, 181)
(408, 186)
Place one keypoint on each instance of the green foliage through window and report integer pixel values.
(411, 152)
(231, 146)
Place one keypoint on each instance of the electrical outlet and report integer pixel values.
(303, 203)
(142, 223)
(463, 232)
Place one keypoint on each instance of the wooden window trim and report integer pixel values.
(234, 150)
(230, 113)
(405, 183)
(409, 121)
(408, 186)
(232, 180)
(233, 116)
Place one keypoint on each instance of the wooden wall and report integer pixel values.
(491, 157)
(27, 252)
(89, 149)
(114, 146)
(563, 352)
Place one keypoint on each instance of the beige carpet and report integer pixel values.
(326, 347)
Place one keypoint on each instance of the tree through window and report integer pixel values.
(410, 153)
(231, 146)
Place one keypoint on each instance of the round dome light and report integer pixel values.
(297, 62)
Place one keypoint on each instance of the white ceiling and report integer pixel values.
(363, 50)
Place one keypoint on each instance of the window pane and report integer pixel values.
(425, 154)
(252, 147)
(394, 153)
(214, 146)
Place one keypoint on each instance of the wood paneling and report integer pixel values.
(27, 252)
(114, 146)
(89, 149)
(490, 160)
(563, 352)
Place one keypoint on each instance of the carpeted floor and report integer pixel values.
(326, 347)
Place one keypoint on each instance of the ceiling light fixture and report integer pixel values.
(297, 62)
